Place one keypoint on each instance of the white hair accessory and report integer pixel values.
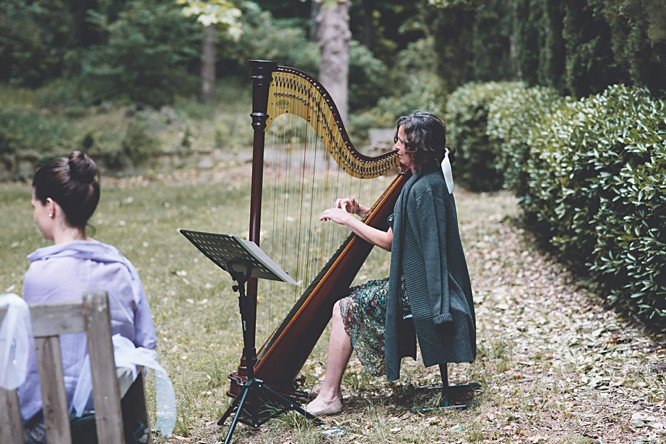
(448, 172)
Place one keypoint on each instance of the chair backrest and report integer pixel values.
(91, 316)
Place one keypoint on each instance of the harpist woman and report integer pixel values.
(428, 275)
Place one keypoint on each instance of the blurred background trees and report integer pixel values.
(71, 55)
(149, 51)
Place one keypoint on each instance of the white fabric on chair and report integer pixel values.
(128, 357)
(15, 333)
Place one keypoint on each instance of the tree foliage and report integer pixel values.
(637, 32)
(553, 52)
(36, 37)
(527, 25)
(578, 47)
(146, 55)
(452, 31)
(492, 46)
(589, 65)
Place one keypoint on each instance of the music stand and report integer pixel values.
(243, 259)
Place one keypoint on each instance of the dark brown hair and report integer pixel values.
(72, 182)
(425, 137)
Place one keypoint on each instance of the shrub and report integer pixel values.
(139, 141)
(598, 180)
(590, 175)
(30, 130)
(63, 95)
(512, 117)
(477, 154)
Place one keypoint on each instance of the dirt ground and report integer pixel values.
(575, 370)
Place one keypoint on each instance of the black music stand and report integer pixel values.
(257, 402)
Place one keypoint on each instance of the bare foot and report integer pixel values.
(321, 407)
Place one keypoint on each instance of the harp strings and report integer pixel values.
(301, 179)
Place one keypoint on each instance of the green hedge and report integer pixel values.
(467, 116)
(513, 116)
(598, 179)
(590, 175)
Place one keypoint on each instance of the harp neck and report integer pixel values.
(294, 92)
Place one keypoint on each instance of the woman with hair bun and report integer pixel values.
(66, 192)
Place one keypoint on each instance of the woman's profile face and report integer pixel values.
(42, 218)
(404, 156)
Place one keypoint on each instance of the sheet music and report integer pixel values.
(258, 254)
(232, 253)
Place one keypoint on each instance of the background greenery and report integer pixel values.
(82, 58)
(526, 87)
(560, 102)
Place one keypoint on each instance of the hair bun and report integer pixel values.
(82, 168)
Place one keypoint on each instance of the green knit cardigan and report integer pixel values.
(428, 251)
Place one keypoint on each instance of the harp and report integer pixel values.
(279, 93)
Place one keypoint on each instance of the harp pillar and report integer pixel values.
(262, 72)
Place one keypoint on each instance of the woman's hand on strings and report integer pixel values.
(336, 214)
(351, 205)
(342, 213)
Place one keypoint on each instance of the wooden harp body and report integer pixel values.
(279, 91)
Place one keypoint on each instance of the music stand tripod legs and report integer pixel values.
(247, 405)
(243, 260)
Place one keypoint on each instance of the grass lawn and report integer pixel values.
(556, 366)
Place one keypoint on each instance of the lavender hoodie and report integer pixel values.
(61, 273)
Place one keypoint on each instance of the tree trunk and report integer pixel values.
(314, 21)
(207, 93)
(334, 36)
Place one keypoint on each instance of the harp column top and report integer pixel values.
(264, 65)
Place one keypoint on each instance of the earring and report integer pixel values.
(51, 215)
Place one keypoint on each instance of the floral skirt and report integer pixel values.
(364, 314)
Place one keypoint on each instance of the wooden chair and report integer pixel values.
(92, 317)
